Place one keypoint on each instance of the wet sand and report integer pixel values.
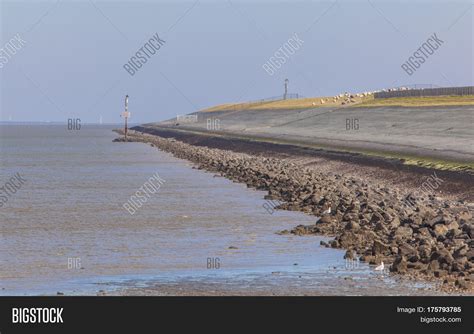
(343, 282)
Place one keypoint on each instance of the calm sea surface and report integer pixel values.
(69, 212)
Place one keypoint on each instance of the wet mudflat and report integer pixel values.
(71, 208)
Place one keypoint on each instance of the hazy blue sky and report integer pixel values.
(71, 65)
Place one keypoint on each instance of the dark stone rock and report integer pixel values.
(376, 217)
(325, 219)
(440, 273)
(414, 258)
(424, 231)
(443, 256)
(463, 284)
(459, 265)
(395, 222)
(461, 252)
(352, 226)
(470, 255)
(403, 232)
(436, 220)
(469, 230)
(405, 249)
(380, 248)
(349, 239)
(400, 265)
(380, 227)
(433, 265)
(425, 252)
(334, 243)
(348, 216)
(453, 233)
(350, 255)
(416, 265)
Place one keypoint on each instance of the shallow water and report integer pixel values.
(69, 212)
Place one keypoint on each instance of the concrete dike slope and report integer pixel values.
(429, 136)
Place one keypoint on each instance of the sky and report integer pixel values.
(70, 63)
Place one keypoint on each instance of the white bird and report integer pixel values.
(326, 208)
(380, 267)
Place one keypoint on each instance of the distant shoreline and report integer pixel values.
(59, 123)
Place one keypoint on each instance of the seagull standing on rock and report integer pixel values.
(326, 208)
(380, 267)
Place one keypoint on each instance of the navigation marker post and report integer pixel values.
(125, 115)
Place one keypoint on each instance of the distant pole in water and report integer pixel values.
(126, 115)
(286, 89)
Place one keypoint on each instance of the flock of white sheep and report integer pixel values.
(348, 98)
